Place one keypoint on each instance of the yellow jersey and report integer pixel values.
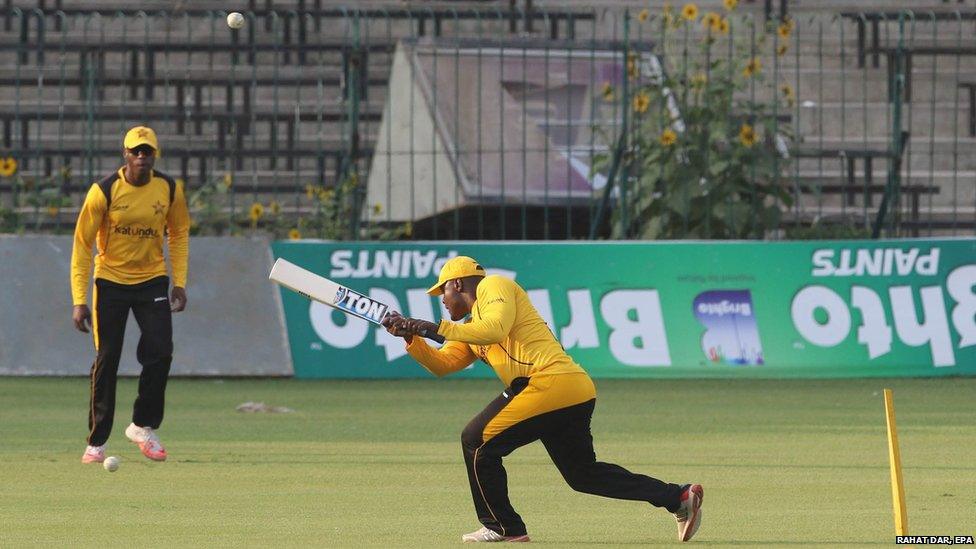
(505, 331)
(129, 222)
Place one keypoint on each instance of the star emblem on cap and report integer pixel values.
(142, 133)
(158, 208)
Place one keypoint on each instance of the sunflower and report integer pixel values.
(668, 19)
(52, 211)
(377, 208)
(784, 31)
(274, 207)
(8, 167)
(309, 191)
(632, 66)
(325, 194)
(228, 180)
(690, 12)
(730, 4)
(747, 135)
(788, 94)
(723, 26)
(753, 67)
(782, 49)
(257, 210)
(699, 80)
(643, 15)
(668, 137)
(294, 234)
(641, 102)
(607, 91)
(711, 20)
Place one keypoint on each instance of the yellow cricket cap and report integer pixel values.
(141, 135)
(456, 267)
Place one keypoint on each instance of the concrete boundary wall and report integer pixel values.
(233, 325)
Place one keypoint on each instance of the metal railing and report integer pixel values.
(449, 123)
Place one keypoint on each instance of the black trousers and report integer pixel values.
(150, 306)
(566, 435)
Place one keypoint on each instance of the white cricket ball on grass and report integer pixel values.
(111, 464)
(235, 20)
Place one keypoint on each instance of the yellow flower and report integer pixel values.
(668, 18)
(690, 12)
(712, 20)
(723, 26)
(784, 30)
(782, 49)
(325, 195)
(643, 15)
(309, 191)
(294, 234)
(730, 4)
(607, 91)
(377, 208)
(52, 211)
(257, 210)
(747, 135)
(668, 137)
(754, 66)
(641, 102)
(274, 207)
(228, 180)
(699, 80)
(408, 228)
(788, 94)
(8, 167)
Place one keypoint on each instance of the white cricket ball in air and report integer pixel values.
(111, 464)
(235, 20)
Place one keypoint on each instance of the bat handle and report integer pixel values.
(433, 336)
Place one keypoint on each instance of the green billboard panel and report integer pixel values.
(670, 309)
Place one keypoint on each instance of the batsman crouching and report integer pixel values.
(548, 397)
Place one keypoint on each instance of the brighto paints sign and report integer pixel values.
(791, 309)
(918, 315)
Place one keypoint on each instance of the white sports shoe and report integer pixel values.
(147, 440)
(486, 534)
(93, 454)
(689, 514)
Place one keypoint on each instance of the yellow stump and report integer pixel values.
(894, 460)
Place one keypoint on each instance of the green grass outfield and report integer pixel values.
(378, 463)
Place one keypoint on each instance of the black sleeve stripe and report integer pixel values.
(172, 184)
(106, 186)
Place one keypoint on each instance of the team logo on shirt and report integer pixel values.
(158, 208)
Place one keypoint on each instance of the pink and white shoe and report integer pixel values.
(689, 514)
(147, 440)
(486, 534)
(93, 454)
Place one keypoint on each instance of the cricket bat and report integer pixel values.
(321, 289)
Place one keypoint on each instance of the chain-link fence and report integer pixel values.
(472, 123)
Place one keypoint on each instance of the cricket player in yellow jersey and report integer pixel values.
(128, 214)
(548, 397)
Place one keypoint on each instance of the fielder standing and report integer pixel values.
(128, 214)
(548, 397)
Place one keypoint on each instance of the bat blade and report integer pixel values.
(325, 291)
(321, 289)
